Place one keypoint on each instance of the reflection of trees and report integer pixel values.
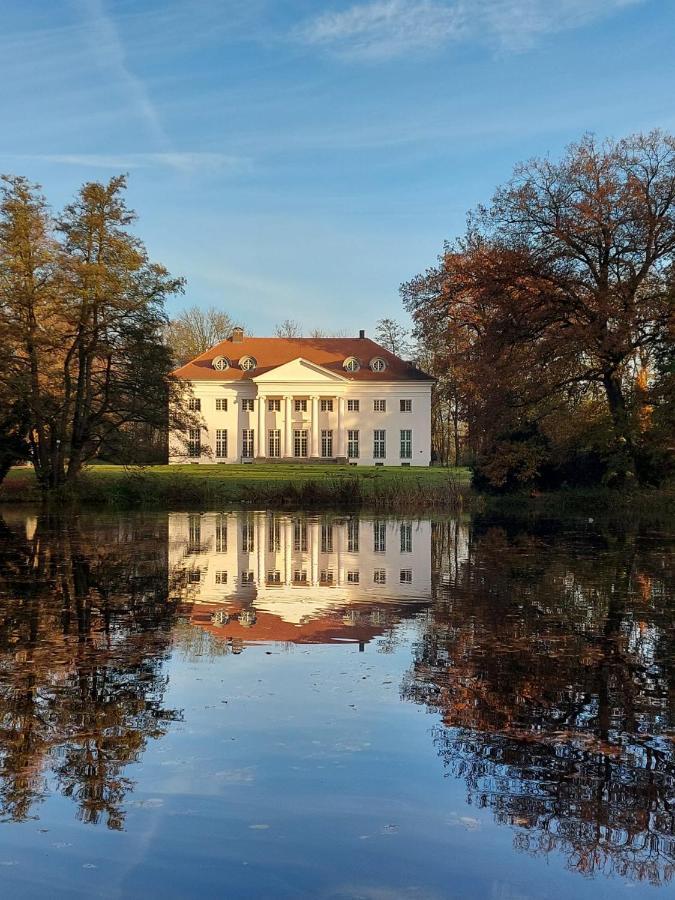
(550, 660)
(84, 629)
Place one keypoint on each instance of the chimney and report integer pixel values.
(362, 334)
(237, 336)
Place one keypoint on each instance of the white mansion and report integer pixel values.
(332, 399)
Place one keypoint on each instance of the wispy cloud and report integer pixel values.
(182, 162)
(383, 29)
(108, 49)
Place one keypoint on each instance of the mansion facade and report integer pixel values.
(301, 399)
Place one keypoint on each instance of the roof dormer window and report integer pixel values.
(248, 363)
(351, 364)
(221, 363)
(378, 364)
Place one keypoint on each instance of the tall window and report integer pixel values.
(194, 534)
(353, 444)
(300, 442)
(326, 538)
(406, 405)
(326, 443)
(380, 405)
(247, 405)
(379, 537)
(406, 443)
(247, 536)
(221, 443)
(379, 444)
(405, 576)
(247, 436)
(326, 406)
(353, 405)
(353, 577)
(406, 537)
(221, 534)
(274, 535)
(352, 535)
(194, 443)
(379, 576)
(300, 536)
(274, 442)
(274, 577)
(221, 577)
(221, 404)
(301, 406)
(195, 404)
(274, 405)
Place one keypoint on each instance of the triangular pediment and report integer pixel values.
(299, 370)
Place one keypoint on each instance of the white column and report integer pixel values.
(288, 547)
(288, 430)
(341, 553)
(314, 550)
(314, 451)
(260, 440)
(261, 547)
(341, 451)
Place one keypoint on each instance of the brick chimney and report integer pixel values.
(237, 336)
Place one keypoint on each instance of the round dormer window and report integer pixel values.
(221, 363)
(378, 364)
(247, 363)
(351, 364)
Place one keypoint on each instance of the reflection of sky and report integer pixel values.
(296, 773)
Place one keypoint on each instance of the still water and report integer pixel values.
(262, 705)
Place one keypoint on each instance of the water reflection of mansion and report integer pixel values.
(285, 577)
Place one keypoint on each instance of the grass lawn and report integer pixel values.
(295, 483)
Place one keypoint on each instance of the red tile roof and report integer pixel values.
(272, 352)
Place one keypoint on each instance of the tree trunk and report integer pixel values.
(621, 421)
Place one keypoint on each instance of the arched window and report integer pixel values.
(221, 363)
(248, 363)
(378, 364)
(351, 364)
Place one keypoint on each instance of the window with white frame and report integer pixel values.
(379, 537)
(352, 535)
(221, 577)
(326, 538)
(300, 536)
(221, 404)
(195, 404)
(326, 443)
(379, 443)
(274, 405)
(406, 537)
(194, 443)
(406, 576)
(353, 405)
(246, 578)
(379, 405)
(300, 442)
(300, 576)
(195, 576)
(379, 576)
(248, 363)
(326, 576)
(406, 443)
(352, 364)
(274, 535)
(301, 406)
(378, 364)
(353, 576)
(274, 577)
(247, 405)
(406, 405)
(194, 534)
(247, 536)
(221, 443)
(326, 406)
(274, 442)
(221, 534)
(247, 442)
(353, 444)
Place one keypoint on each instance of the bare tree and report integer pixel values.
(289, 328)
(196, 330)
(391, 335)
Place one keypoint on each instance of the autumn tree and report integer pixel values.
(559, 298)
(196, 330)
(82, 311)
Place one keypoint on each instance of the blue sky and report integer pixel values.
(301, 159)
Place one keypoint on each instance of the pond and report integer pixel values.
(253, 704)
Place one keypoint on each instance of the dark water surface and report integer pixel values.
(260, 705)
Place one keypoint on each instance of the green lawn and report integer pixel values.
(248, 483)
